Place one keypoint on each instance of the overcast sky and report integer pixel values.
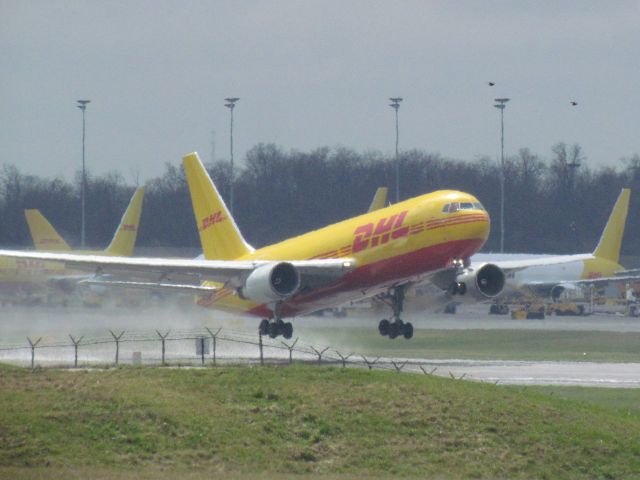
(312, 74)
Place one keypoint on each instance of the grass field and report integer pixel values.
(593, 346)
(306, 421)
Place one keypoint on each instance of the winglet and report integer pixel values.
(44, 236)
(219, 235)
(611, 240)
(379, 199)
(124, 240)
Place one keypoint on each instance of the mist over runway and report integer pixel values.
(346, 335)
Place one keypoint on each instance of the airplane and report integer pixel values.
(549, 276)
(379, 253)
(32, 277)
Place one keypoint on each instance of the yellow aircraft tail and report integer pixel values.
(219, 235)
(124, 239)
(379, 199)
(43, 234)
(611, 240)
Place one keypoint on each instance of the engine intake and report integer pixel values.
(271, 282)
(483, 282)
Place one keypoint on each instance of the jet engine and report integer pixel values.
(556, 291)
(271, 282)
(481, 282)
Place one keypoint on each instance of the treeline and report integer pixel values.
(557, 204)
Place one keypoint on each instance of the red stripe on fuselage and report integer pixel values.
(397, 269)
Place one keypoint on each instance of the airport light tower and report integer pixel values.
(231, 103)
(395, 104)
(82, 105)
(500, 105)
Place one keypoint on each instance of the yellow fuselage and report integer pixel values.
(390, 246)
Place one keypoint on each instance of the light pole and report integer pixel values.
(82, 105)
(231, 103)
(395, 104)
(500, 105)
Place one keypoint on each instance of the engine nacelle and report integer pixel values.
(271, 282)
(557, 291)
(482, 282)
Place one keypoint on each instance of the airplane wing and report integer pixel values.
(165, 271)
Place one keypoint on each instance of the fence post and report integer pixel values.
(202, 350)
(162, 339)
(344, 359)
(319, 353)
(117, 340)
(260, 345)
(75, 349)
(369, 363)
(33, 351)
(400, 366)
(290, 347)
(214, 336)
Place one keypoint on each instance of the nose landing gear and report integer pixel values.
(395, 327)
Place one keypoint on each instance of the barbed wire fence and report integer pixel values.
(187, 348)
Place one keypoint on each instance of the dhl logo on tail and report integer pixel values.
(212, 220)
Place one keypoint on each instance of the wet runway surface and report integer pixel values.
(18, 323)
(587, 374)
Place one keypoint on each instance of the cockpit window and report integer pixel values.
(456, 206)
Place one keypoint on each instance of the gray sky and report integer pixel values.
(311, 74)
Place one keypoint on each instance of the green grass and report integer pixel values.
(593, 346)
(302, 420)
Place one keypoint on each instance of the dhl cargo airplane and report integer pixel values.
(23, 276)
(376, 254)
(550, 275)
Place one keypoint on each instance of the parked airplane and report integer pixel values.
(375, 254)
(549, 276)
(31, 277)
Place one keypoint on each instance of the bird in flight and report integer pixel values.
(491, 84)
(574, 103)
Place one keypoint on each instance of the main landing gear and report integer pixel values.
(275, 328)
(395, 326)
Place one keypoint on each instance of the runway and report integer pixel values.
(585, 374)
(19, 323)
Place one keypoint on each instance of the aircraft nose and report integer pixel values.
(482, 226)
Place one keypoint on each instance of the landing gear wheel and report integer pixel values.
(394, 330)
(264, 327)
(273, 330)
(407, 331)
(383, 327)
(287, 330)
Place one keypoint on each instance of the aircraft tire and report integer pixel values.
(287, 330)
(383, 327)
(394, 330)
(273, 330)
(407, 330)
(264, 327)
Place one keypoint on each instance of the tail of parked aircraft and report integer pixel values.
(611, 240)
(124, 240)
(219, 235)
(379, 199)
(43, 234)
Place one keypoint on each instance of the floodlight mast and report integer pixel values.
(82, 105)
(231, 104)
(395, 104)
(501, 105)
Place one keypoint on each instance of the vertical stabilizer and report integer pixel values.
(611, 240)
(124, 240)
(43, 234)
(219, 235)
(379, 199)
